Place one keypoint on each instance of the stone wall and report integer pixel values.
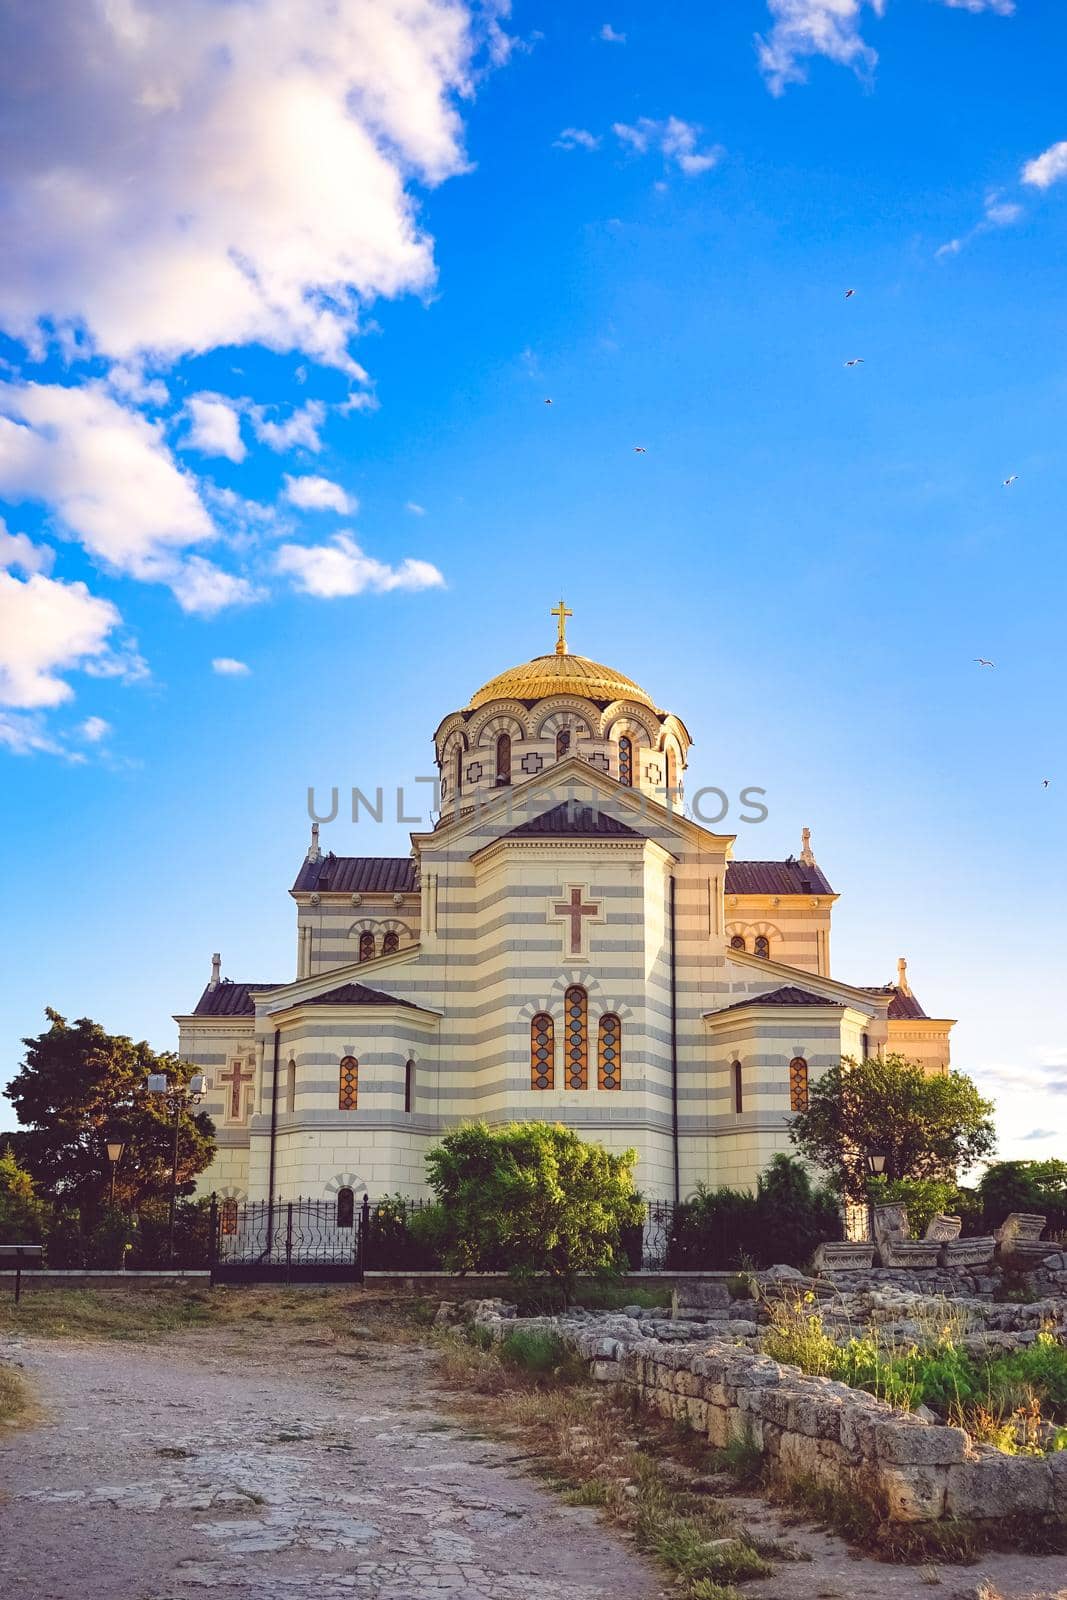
(804, 1426)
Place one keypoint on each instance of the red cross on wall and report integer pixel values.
(236, 1078)
(574, 911)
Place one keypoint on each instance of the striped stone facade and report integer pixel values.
(559, 880)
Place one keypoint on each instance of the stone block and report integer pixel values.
(1058, 1469)
(696, 1299)
(856, 1425)
(605, 1371)
(696, 1412)
(915, 1494)
(996, 1485)
(915, 1444)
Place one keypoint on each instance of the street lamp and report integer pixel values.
(876, 1163)
(175, 1098)
(115, 1147)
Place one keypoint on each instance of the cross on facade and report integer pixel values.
(236, 1078)
(574, 911)
(561, 613)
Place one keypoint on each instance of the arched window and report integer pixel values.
(366, 946)
(672, 773)
(563, 743)
(798, 1084)
(762, 947)
(609, 1053)
(228, 1217)
(459, 774)
(739, 1088)
(626, 762)
(542, 1052)
(348, 1084)
(737, 942)
(290, 1086)
(576, 1038)
(503, 758)
(391, 943)
(346, 1208)
(409, 1086)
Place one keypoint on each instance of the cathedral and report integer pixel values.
(566, 943)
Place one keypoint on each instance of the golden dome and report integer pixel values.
(561, 673)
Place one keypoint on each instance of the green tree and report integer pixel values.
(926, 1127)
(532, 1198)
(22, 1216)
(924, 1198)
(1034, 1186)
(793, 1216)
(79, 1086)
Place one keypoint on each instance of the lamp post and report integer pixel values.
(175, 1097)
(115, 1147)
(876, 1168)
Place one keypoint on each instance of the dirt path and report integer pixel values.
(189, 1468)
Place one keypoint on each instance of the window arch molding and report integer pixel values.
(565, 713)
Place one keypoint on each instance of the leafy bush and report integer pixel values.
(22, 1216)
(404, 1237)
(1035, 1186)
(533, 1199)
(535, 1350)
(782, 1222)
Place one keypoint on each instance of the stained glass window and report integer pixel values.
(739, 1090)
(346, 1208)
(366, 947)
(348, 1090)
(563, 743)
(672, 772)
(762, 946)
(609, 1054)
(798, 1084)
(228, 1217)
(737, 942)
(391, 943)
(503, 758)
(626, 762)
(542, 1052)
(576, 1038)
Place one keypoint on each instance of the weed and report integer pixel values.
(14, 1397)
(741, 1460)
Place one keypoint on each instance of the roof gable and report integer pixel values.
(775, 877)
(229, 999)
(356, 994)
(571, 820)
(787, 995)
(902, 1007)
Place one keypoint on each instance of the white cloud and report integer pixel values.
(187, 175)
(106, 472)
(609, 35)
(129, 382)
(1048, 168)
(25, 735)
(48, 627)
(93, 729)
(319, 494)
(675, 139)
(214, 426)
(17, 550)
(804, 28)
(998, 213)
(203, 588)
(415, 509)
(831, 28)
(300, 428)
(576, 139)
(227, 667)
(342, 568)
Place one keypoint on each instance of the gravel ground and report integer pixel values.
(279, 1464)
(191, 1468)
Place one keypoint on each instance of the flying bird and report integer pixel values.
(982, 662)
(639, 450)
(1044, 783)
(857, 361)
(547, 402)
(849, 293)
(1009, 481)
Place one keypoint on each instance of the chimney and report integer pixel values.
(805, 847)
(314, 852)
(902, 976)
(216, 968)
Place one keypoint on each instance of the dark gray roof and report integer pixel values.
(903, 1007)
(569, 820)
(357, 875)
(229, 999)
(356, 994)
(774, 877)
(786, 996)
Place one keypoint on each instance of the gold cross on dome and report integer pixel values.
(562, 614)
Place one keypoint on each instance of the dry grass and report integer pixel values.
(599, 1452)
(15, 1405)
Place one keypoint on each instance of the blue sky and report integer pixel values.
(357, 274)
